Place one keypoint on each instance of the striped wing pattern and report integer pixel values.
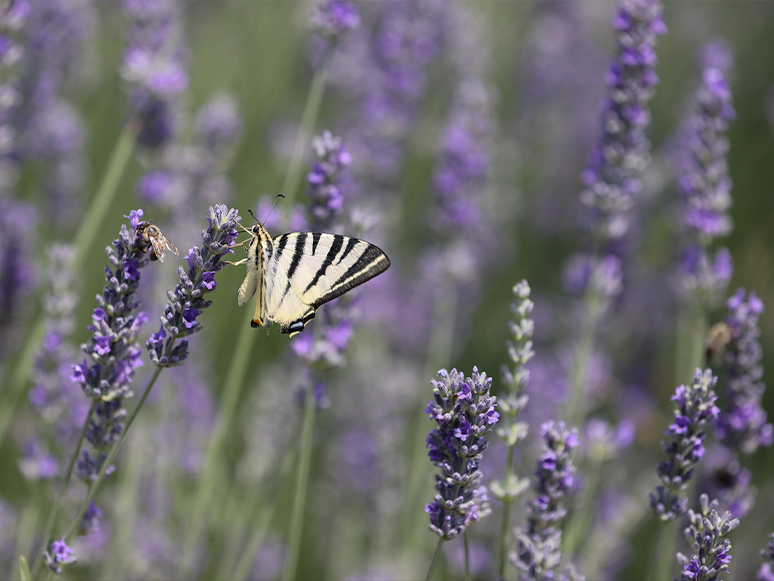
(307, 269)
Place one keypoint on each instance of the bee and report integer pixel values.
(151, 235)
(719, 338)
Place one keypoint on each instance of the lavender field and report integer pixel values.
(560, 376)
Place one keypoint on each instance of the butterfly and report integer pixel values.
(151, 235)
(293, 274)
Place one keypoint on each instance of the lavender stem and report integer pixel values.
(302, 482)
(505, 531)
(467, 555)
(68, 475)
(434, 562)
(90, 225)
(111, 456)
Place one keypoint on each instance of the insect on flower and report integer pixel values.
(295, 273)
(152, 235)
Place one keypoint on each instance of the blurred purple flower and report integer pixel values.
(153, 68)
(325, 194)
(705, 534)
(725, 480)
(684, 444)
(716, 54)
(539, 549)
(742, 424)
(333, 19)
(611, 178)
(59, 554)
(186, 302)
(465, 412)
(766, 572)
(706, 187)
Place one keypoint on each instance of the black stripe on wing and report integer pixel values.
(369, 264)
(338, 242)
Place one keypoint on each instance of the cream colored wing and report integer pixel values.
(308, 269)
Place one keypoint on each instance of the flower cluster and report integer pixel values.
(153, 68)
(622, 151)
(59, 554)
(539, 550)
(684, 444)
(333, 19)
(706, 534)
(325, 196)
(106, 374)
(187, 301)
(465, 412)
(766, 572)
(464, 156)
(742, 423)
(706, 188)
(513, 400)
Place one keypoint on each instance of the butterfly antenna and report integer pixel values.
(272, 208)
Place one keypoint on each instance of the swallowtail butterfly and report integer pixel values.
(295, 273)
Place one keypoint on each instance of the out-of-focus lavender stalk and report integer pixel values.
(464, 412)
(742, 424)
(106, 376)
(511, 403)
(766, 571)
(539, 551)
(705, 188)
(612, 177)
(705, 534)
(683, 443)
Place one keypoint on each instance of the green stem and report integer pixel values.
(467, 554)
(578, 525)
(262, 521)
(302, 482)
(438, 354)
(665, 554)
(308, 121)
(234, 381)
(111, 456)
(434, 562)
(84, 240)
(505, 530)
(55, 509)
(576, 409)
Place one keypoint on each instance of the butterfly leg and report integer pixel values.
(243, 261)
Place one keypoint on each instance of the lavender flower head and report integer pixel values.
(153, 68)
(742, 423)
(539, 550)
(333, 19)
(464, 411)
(622, 151)
(684, 444)
(705, 534)
(105, 376)
(186, 302)
(766, 572)
(59, 554)
(325, 196)
(706, 188)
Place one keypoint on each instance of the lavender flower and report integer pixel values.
(742, 423)
(513, 401)
(766, 572)
(464, 411)
(706, 188)
(325, 195)
(705, 534)
(105, 376)
(333, 19)
(59, 554)
(684, 444)
(153, 68)
(186, 302)
(539, 551)
(622, 151)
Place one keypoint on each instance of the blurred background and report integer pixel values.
(525, 79)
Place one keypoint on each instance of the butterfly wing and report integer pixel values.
(308, 269)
